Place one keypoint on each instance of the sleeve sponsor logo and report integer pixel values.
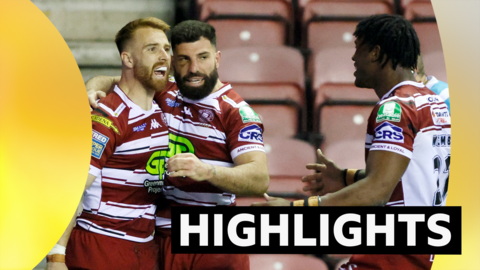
(387, 132)
(140, 128)
(251, 133)
(99, 142)
(390, 111)
(440, 116)
(106, 122)
(172, 103)
(249, 115)
(442, 140)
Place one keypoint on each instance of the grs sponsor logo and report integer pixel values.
(442, 140)
(172, 103)
(99, 142)
(251, 133)
(440, 116)
(387, 132)
(140, 128)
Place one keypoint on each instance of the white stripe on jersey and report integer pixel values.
(198, 198)
(195, 129)
(143, 145)
(126, 211)
(245, 149)
(233, 103)
(107, 109)
(163, 222)
(395, 203)
(90, 226)
(118, 176)
(391, 148)
(94, 171)
(396, 98)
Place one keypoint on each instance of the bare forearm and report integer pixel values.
(245, 179)
(361, 193)
(101, 83)
(66, 234)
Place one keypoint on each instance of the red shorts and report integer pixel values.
(390, 262)
(88, 250)
(196, 261)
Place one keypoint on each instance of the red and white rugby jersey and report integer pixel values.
(412, 121)
(217, 129)
(126, 144)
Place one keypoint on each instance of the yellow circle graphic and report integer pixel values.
(45, 135)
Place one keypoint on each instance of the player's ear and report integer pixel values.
(375, 53)
(127, 59)
(218, 55)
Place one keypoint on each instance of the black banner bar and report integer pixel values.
(302, 230)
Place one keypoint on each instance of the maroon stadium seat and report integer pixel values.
(285, 262)
(434, 63)
(429, 37)
(343, 129)
(278, 120)
(331, 23)
(267, 75)
(288, 157)
(418, 10)
(247, 22)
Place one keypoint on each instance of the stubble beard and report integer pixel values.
(145, 76)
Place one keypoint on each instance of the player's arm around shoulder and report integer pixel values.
(56, 257)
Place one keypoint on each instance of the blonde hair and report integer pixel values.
(126, 33)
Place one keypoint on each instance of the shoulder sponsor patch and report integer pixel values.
(251, 133)
(249, 115)
(99, 142)
(387, 132)
(106, 122)
(440, 116)
(390, 111)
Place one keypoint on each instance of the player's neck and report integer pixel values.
(136, 91)
(390, 78)
(218, 85)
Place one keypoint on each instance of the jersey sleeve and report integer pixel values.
(391, 128)
(105, 134)
(244, 128)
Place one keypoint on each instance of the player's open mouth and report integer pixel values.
(160, 71)
(194, 81)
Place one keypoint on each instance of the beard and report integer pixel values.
(197, 93)
(145, 76)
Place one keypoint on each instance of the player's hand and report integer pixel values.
(187, 164)
(93, 96)
(56, 266)
(328, 177)
(272, 201)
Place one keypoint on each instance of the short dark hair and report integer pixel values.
(395, 36)
(191, 31)
(126, 33)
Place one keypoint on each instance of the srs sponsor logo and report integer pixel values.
(251, 133)
(387, 132)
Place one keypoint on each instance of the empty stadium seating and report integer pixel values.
(245, 23)
(434, 63)
(273, 76)
(330, 24)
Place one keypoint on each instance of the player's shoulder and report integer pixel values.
(113, 111)
(229, 99)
